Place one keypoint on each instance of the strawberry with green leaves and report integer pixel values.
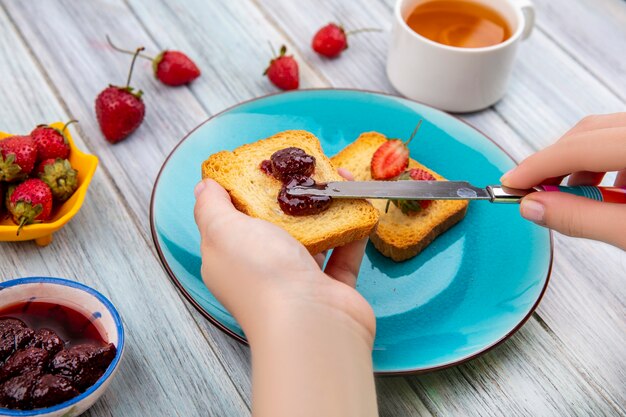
(18, 155)
(411, 207)
(283, 71)
(120, 110)
(29, 202)
(59, 175)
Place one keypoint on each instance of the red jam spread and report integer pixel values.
(48, 354)
(292, 161)
(266, 167)
(293, 166)
(301, 205)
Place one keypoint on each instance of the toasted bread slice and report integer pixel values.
(255, 193)
(399, 236)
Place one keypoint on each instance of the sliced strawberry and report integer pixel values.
(390, 160)
(419, 174)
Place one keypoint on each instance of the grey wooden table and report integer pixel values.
(569, 359)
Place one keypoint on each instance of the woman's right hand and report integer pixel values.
(595, 146)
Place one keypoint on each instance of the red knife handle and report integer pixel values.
(605, 194)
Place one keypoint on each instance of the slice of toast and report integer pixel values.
(399, 236)
(255, 193)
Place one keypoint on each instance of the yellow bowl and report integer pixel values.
(41, 233)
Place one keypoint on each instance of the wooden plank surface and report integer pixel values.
(549, 92)
(568, 360)
(170, 114)
(163, 344)
(592, 33)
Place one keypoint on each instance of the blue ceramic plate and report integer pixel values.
(470, 289)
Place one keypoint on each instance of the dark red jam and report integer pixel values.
(293, 166)
(266, 167)
(296, 205)
(48, 354)
(292, 161)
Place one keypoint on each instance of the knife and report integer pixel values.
(448, 190)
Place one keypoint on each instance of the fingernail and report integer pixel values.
(504, 177)
(532, 210)
(199, 187)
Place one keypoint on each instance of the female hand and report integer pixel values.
(596, 145)
(311, 333)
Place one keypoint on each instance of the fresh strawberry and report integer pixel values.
(331, 40)
(170, 67)
(174, 68)
(119, 110)
(29, 202)
(391, 158)
(283, 71)
(51, 142)
(18, 155)
(59, 175)
(414, 206)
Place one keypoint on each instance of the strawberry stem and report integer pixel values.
(272, 49)
(21, 225)
(67, 124)
(132, 64)
(414, 132)
(357, 31)
(126, 51)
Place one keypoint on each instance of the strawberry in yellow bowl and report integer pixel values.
(43, 182)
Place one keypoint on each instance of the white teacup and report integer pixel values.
(452, 78)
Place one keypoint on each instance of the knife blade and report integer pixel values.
(447, 190)
(406, 190)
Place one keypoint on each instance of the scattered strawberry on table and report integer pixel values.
(172, 68)
(283, 71)
(331, 40)
(120, 110)
(391, 158)
(35, 174)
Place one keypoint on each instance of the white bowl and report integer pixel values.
(81, 298)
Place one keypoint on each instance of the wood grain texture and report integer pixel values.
(167, 361)
(568, 360)
(171, 113)
(592, 33)
(549, 92)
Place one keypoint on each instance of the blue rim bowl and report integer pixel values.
(71, 407)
